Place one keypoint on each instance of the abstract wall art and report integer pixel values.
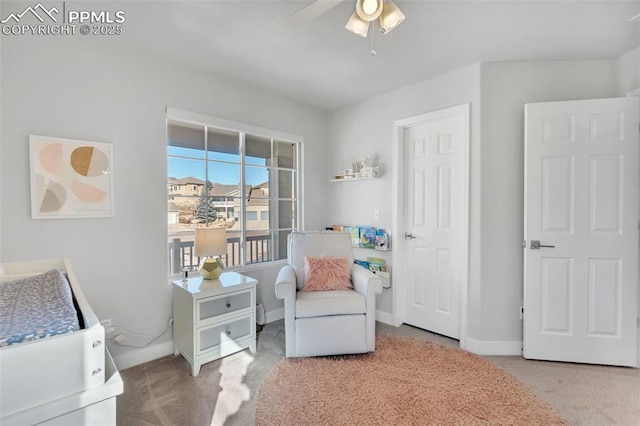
(70, 178)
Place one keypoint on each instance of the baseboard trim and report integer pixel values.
(142, 355)
(481, 347)
(275, 315)
(384, 317)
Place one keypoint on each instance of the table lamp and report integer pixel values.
(210, 244)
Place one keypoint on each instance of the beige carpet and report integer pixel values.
(404, 382)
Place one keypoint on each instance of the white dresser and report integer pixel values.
(213, 318)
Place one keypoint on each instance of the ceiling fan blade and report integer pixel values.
(311, 12)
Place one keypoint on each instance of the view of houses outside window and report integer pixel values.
(244, 183)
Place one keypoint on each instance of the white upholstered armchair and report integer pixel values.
(330, 322)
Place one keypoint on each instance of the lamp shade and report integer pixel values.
(391, 17)
(210, 242)
(357, 25)
(369, 10)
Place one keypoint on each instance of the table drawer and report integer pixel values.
(213, 337)
(215, 306)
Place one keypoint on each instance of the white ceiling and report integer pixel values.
(322, 64)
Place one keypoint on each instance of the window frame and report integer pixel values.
(243, 129)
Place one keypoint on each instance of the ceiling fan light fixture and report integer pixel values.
(357, 26)
(369, 10)
(391, 17)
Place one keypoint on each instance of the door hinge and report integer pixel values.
(521, 312)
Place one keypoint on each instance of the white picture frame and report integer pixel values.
(70, 178)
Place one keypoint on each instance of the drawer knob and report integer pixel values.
(228, 305)
(96, 344)
(96, 371)
(228, 332)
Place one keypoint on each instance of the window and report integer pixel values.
(231, 175)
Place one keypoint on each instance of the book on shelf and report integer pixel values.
(383, 239)
(377, 264)
(362, 263)
(373, 264)
(367, 237)
(355, 236)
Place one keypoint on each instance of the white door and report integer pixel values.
(581, 199)
(435, 215)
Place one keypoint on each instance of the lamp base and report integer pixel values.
(211, 268)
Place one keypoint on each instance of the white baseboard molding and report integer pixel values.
(384, 317)
(481, 347)
(142, 355)
(275, 315)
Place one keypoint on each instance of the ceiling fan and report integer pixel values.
(389, 15)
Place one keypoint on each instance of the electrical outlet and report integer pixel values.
(106, 323)
(119, 338)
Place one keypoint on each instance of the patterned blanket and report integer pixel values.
(36, 307)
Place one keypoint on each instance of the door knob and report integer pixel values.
(409, 236)
(535, 245)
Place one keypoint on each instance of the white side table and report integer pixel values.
(213, 318)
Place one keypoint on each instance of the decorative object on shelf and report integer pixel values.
(372, 172)
(70, 178)
(210, 243)
(360, 169)
(366, 170)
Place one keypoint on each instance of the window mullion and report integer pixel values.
(207, 199)
(243, 197)
(273, 205)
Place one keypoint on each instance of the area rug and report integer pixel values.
(404, 382)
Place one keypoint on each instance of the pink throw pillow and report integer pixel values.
(327, 273)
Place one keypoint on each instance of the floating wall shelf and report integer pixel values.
(369, 174)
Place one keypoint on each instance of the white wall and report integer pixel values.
(497, 93)
(506, 87)
(86, 89)
(627, 67)
(366, 128)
